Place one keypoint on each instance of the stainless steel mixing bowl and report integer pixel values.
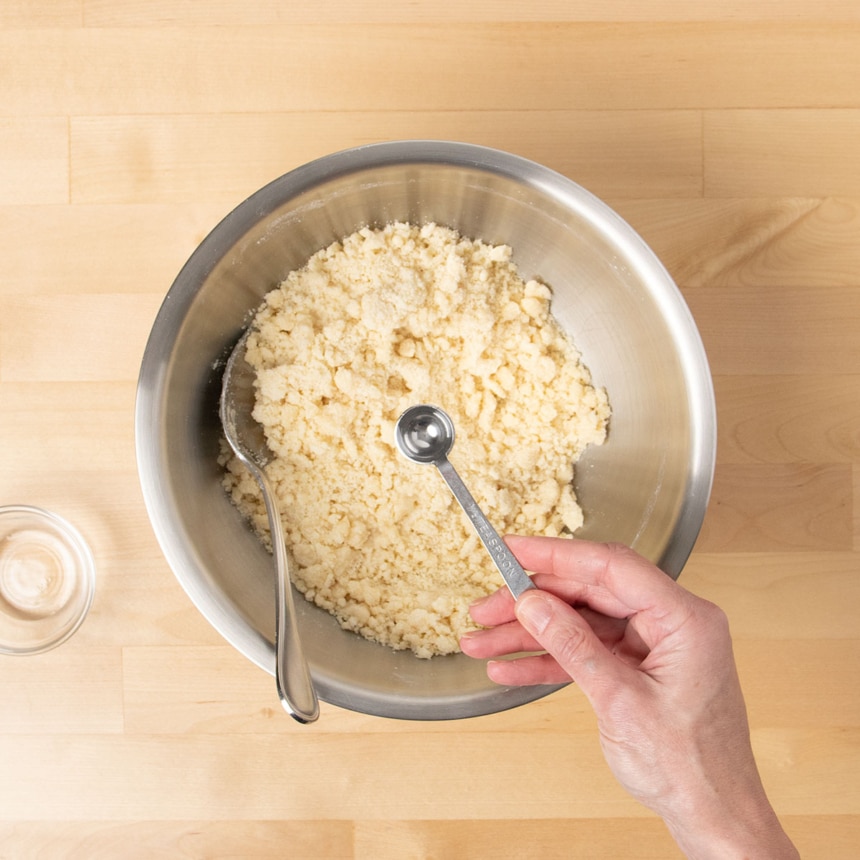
(647, 486)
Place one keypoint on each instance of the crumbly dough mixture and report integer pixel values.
(372, 325)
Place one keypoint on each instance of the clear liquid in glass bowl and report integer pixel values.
(47, 580)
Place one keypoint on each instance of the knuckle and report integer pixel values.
(716, 618)
(621, 551)
(569, 644)
(710, 613)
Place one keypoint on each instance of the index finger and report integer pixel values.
(611, 578)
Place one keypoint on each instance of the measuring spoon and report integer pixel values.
(425, 434)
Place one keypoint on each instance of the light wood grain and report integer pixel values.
(199, 775)
(56, 13)
(99, 249)
(72, 411)
(784, 507)
(45, 337)
(775, 330)
(782, 595)
(186, 157)
(554, 839)
(511, 65)
(809, 418)
(34, 159)
(759, 153)
(235, 12)
(174, 840)
(756, 242)
(856, 507)
(726, 134)
(343, 776)
(78, 690)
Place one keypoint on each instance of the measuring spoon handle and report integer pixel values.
(516, 578)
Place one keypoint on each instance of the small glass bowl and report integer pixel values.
(47, 580)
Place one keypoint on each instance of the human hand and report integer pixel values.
(656, 664)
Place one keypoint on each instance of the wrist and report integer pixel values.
(743, 828)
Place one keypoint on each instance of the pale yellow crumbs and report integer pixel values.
(372, 325)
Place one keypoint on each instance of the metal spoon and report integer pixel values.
(246, 437)
(425, 434)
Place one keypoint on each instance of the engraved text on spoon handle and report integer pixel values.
(516, 578)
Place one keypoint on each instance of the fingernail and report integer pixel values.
(534, 612)
(480, 601)
(492, 670)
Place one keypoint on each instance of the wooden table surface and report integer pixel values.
(728, 134)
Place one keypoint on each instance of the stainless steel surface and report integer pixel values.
(292, 676)
(425, 434)
(647, 486)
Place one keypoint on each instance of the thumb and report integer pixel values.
(567, 637)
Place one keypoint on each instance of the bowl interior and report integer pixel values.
(647, 486)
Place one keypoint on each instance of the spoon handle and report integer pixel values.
(516, 578)
(295, 687)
